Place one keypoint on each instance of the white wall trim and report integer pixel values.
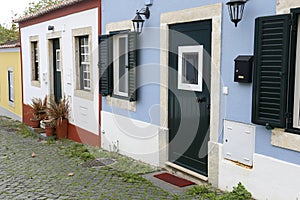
(134, 138)
(213, 12)
(10, 50)
(269, 178)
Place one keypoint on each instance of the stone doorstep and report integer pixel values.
(39, 132)
(172, 189)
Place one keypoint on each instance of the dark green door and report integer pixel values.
(189, 107)
(56, 70)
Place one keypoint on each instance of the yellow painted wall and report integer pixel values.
(10, 60)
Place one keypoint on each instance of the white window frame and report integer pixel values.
(296, 111)
(11, 82)
(116, 65)
(190, 49)
(58, 60)
(87, 69)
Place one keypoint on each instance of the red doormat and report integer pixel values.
(180, 182)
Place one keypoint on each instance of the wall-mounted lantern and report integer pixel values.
(138, 21)
(50, 28)
(236, 9)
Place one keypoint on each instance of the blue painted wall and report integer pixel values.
(235, 106)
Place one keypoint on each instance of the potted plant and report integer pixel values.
(59, 112)
(37, 108)
(49, 126)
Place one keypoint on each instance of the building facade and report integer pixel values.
(60, 57)
(10, 83)
(170, 95)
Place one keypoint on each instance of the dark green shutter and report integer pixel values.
(132, 61)
(105, 66)
(271, 60)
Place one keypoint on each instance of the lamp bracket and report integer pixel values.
(144, 11)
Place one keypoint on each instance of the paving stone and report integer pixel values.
(46, 175)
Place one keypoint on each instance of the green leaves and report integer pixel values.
(205, 192)
(9, 35)
(37, 6)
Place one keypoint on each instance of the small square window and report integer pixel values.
(190, 66)
(58, 66)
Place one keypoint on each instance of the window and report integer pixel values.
(35, 75)
(84, 63)
(11, 96)
(117, 62)
(120, 58)
(58, 65)
(276, 85)
(190, 67)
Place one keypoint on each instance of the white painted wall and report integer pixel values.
(84, 113)
(269, 178)
(133, 138)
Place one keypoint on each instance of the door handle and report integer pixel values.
(201, 99)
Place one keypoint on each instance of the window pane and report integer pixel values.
(190, 68)
(35, 61)
(123, 75)
(296, 115)
(11, 86)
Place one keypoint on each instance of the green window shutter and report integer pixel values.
(271, 60)
(132, 61)
(105, 66)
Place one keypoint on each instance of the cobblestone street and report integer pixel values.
(46, 176)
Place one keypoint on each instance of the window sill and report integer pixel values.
(121, 103)
(286, 140)
(84, 94)
(36, 83)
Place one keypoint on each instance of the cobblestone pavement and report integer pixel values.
(46, 175)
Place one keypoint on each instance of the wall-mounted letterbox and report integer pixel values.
(243, 69)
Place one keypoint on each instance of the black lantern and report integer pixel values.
(50, 28)
(236, 9)
(138, 21)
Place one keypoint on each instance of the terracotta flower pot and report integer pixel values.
(49, 131)
(34, 123)
(62, 129)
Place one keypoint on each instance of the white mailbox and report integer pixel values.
(239, 142)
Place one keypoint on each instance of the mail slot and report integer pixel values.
(243, 69)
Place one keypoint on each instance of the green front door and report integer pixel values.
(56, 70)
(189, 94)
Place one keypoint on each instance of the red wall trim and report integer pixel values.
(60, 12)
(27, 114)
(74, 133)
(83, 136)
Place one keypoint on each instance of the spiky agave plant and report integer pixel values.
(58, 111)
(37, 107)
